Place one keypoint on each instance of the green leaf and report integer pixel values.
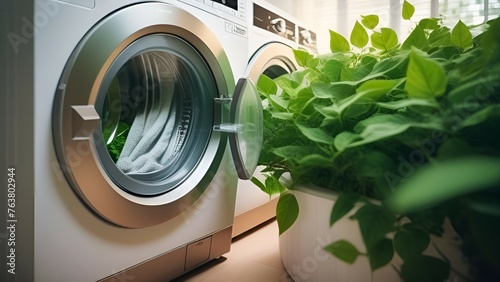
(315, 160)
(258, 183)
(343, 250)
(292, 82)
(370, 21)
(408, 10)
(266, 85)
(293, 153)
(302, 57)
(332, 70)
(481, 116)
(446, 52)
(393, 67)
(282, 115)
(440, 37)
(425, 78)
(410, 242)
(443, 181)
(343, 139)
(359, 37)
(344, 204)
(370, 90)
(335, 90)
(316, 134)
(480, 87)
(277, 102)
(287, 211)
(338, 43)
(301, 100)
(491, 42)
(374, 89)
(273, 186)
(374, 222)
(384, 40)
(419, 268)
(404, 103)
(431, 23)
(461, 36)
(453, 148)
(382, 126)
(380, 254)
(417, 39)
(361, 72)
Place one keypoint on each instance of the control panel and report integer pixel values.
(227, 9)
(270, 21)
(307, 38)
(284, 27)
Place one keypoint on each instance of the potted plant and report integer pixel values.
(408, 133)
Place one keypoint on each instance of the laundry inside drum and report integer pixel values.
(148, 113)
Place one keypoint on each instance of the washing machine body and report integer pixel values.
(136, 117)
(273, 35)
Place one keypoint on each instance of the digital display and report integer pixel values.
(233, 4)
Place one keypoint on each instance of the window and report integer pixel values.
(340, 15)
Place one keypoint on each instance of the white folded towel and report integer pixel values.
(149, 145)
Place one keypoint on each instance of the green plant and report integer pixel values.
(384, 121)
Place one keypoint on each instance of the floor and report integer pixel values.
(254, 257)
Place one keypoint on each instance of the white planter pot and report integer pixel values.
(301, 246)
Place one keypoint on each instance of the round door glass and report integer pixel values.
(156, 118)
(147, 114)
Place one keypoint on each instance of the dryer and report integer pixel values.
(136, 137)
(273, 35)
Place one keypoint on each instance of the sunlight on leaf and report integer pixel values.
(338, 43)
(359, 37)
(370, 21)
(408, 10)
(461, 36)
(370, 90)
(266, 85)
(385, 40)
(431, 23)
(302, 57)
(273, 186)
(425, 78)
(417, 38)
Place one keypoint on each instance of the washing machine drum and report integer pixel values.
(143, 113)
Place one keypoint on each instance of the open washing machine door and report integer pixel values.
(244, 127)
(134, 114)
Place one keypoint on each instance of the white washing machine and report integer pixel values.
(273, 35)
(133, 139)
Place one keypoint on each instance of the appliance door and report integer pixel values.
(134, 114)
(244, 127)
(273, 60)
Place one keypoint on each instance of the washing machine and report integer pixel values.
(136, 131)
(273, 35)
